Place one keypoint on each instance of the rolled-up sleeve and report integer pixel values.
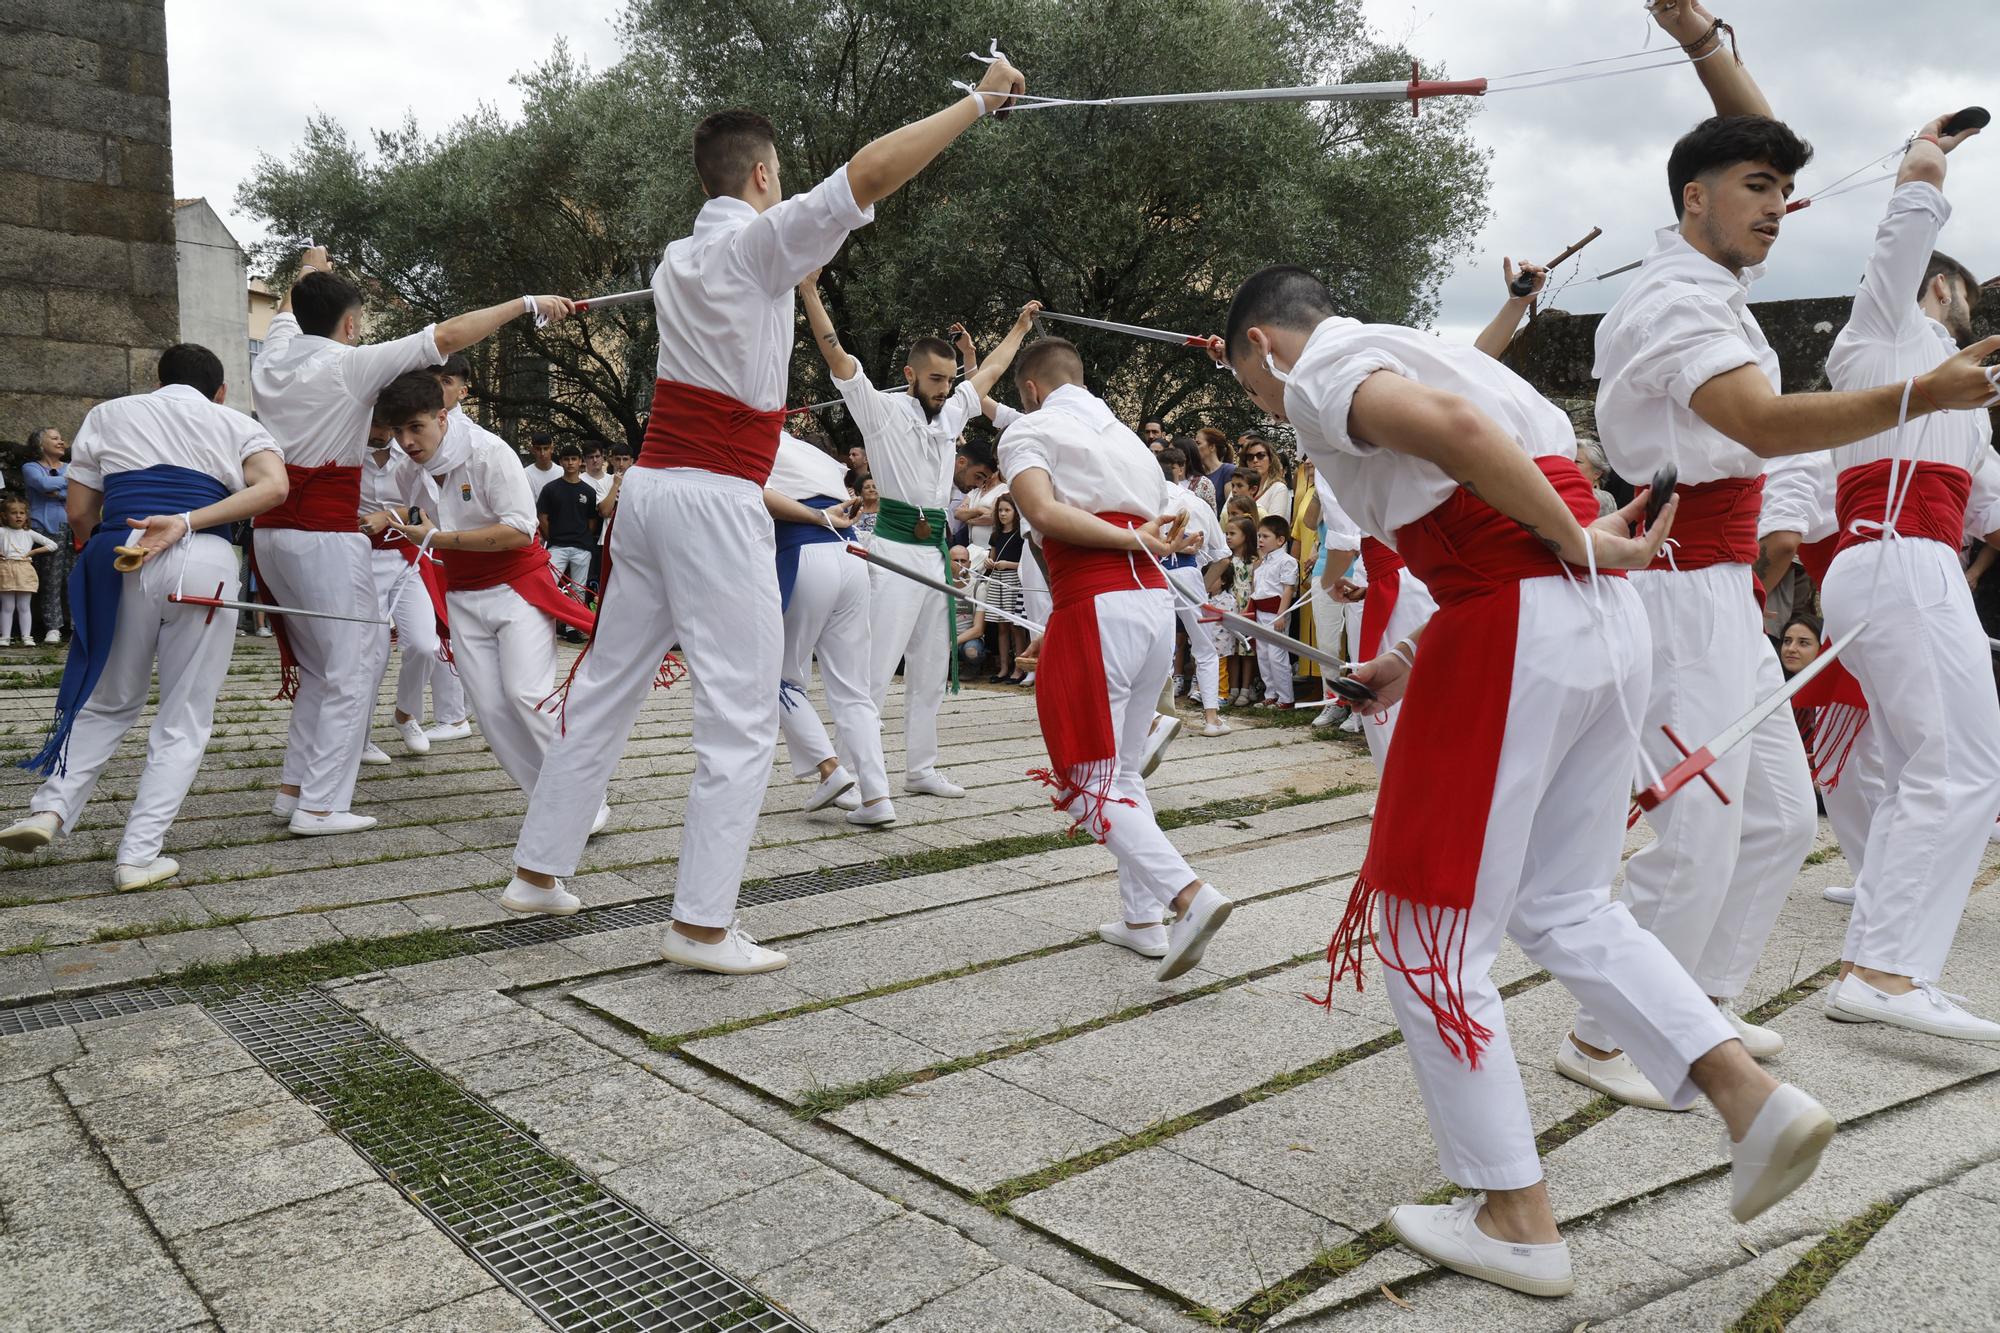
(865, 405)
(370, 368)
(1798, 491)
(1021, 451)
(1320, 404)
(1687, 341)
(84, 467)
(792, 238)
(505, 483)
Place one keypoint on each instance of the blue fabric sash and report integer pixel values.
(1182, 562)
(791, 536)
(95, 587)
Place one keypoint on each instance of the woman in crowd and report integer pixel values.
(1003, 585)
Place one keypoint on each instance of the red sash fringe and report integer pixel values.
(1071, 699)
(1439, 775)
(700, 428)
(1385, 586)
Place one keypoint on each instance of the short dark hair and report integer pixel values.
(1720, 142)
(1283, 296)
(623, 449)
(931, 346)
(1277, 525)
(455, 366)
(410, 395)
(592, 447)
(726, 145)
(320, 299)
(541, 437)
(979, 452)
(569, 451)
(193, 365)
(1049, 359)
(1943, 265)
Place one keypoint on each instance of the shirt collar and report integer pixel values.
(722, 212)
(1673, 257)
(182, 391)
(1076, 401)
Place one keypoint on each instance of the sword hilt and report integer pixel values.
(210, 617)
(1701, 772)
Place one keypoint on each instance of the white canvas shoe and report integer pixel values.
(1449, 1234)
(932, 784)
(1617, 1078)
(533, 900)
(375, 754)
(736, 954)
(126, 878)
(831, 788)
(31, 834)
(1215, 728)
(6, 641)
(871, 816)
(849, 799)
(449, 731)
(1925, 1009)
(1780, 1152)
(1760, 1042)
(1840, 1015)
(283, 805)
(1188, 938)
(306, 825)
(1150, 942)
(1165, 728)
(414, 739)
(52, 637)
(1839, 893)
(603, 818)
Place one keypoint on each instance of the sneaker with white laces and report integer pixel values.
(126, 878)
(449, 731)
(33, 833)
(735, 954)
(533, 900)
(414, 739)
(932, 784)
(1149, 942)
(1165, 728)
(1925, 1009)
(1449, 1234)
(1760, 1042)
(603, 818)
(375, 754)
(1331, 715)
(871, 816)
(1780, 1152)
(1617, 1078)
(307, 825)
(283, 805)
(1215, 728)
(1188, 937)
(1839, 893)
(830, 789)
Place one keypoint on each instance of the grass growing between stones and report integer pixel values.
(1821, 856)
(335, 958)
(1804, 1280)
(39, 944)
(174, 925)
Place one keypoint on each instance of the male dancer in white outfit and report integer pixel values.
(911, 437)
(168, 472)
(1519, 720)
(1922, 661)
(1101, 504)
(316, 388)
(390, 483)
(1202, 544)
(724, 297)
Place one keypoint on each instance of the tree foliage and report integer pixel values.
(1142, 215)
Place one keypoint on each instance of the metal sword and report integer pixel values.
(949, 590)
(224, 604)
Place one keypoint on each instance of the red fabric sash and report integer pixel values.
(1817, 557)
(1070, 694)
(1385, 585)
(1265, 606)
(1439, 775)
(700, 428)
(390, 540)
(1716, 525)
(320, 499)
(1933, 507)
(526, 570)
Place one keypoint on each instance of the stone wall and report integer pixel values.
(88, 290)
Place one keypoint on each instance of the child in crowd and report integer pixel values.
(19, 544)
(1241, 533)
(1272, 585)
(1003, 584)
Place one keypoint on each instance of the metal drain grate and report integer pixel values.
(582, 1258)
(44, 1014)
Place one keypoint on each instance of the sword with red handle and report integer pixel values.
(224, 604)
(1697, 762)
(615, 298)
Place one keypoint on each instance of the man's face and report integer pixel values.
(1735, 213)
(572, 466)
(544, 452)
(960, 562)
(454, 390)
(978, 477)
(857, 459)
(929, 378)
(1955, 310)
(1151, 433)
(379, 435)
(421, 435)
(1798, 648)
(619, 462)
(593, 462)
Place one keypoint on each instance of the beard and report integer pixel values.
(1957, 322)
(931, 409)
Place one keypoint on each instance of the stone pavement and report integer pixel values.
(956, 1110)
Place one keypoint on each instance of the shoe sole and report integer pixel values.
(1121, 944)
(1841, 1016)
(814, 804)
(326, 832)
(1906, 1022)
(908, 790)
(27, 840)
(1583, 1077)
(523, 910)
(146, 883)
(377, 763)
(1153, 761)
(1792, 1164)
(724, 971)
(1197, 944)
(872, 823)
(1499, 1277)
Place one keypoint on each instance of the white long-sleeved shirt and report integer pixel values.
(1685, 320)
(1380, 490)
(1798, 497)
(316, 395)
(487, 487)
(173, 425)
(1094, 461)
(1201, 519)
(909, 455)
(21, 543)
(724, 293)
(396, 482)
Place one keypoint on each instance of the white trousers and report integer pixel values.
(1036, 604)
(415, 622)
(1851, 805)
(1414, 606)
(829, 615)
(666, 587)
(340, 661)
(1274, 664)
(1924, 664)
(1553, 838)
(1712, 881)
(1135, 629)
(1200, 637)
(909, 626)
(193, 655)
(506, 655)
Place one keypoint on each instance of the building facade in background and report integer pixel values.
(215, 294)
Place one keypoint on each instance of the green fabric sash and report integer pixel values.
(897, 522)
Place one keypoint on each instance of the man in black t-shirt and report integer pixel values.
(568, 520)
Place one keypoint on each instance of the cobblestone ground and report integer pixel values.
(328, 1083)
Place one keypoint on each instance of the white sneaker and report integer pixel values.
(126, 878)
(1839, 893)
(1150, 942)
(736, 954)
(1327, 716)
(375, 754)
(603, 818)
(1449, 1234)
(1028, 681)
(52, 637)
(870, 816)
(264, 633)
(449, 731)
(1841, 1015)
(1215, 728)
(307, 825)
(848, 800)
(6, 641)
(932, 784)
(1617, 1078)
(830, 789)
(414, 739)
(31, 834)
(1925, 1009)
(1353, 724)
(1165, 728)
(1780, 1152)
(530, 899)
(1761, 1043)
(283, 806)
(1192, 930)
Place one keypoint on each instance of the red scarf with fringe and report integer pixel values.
(1445, 758)
(1385, 586)
(317, 499)
(1071, 698)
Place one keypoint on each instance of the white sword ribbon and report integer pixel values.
(948, 589)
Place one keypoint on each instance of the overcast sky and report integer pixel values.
(1846, 74)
